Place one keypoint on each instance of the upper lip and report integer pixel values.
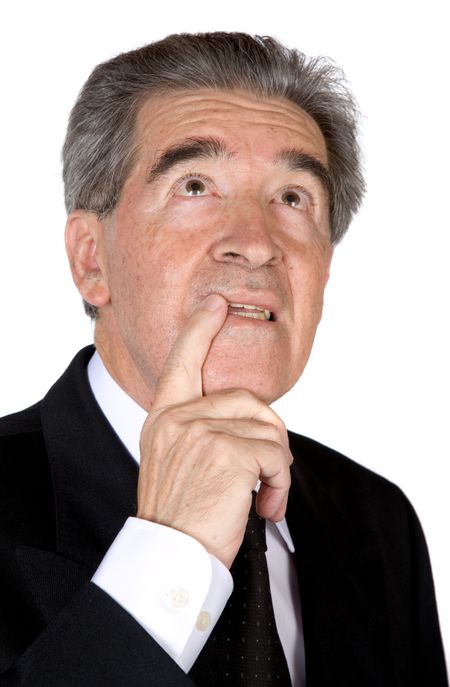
(261, 299)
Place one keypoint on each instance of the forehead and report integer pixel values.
(242, 119)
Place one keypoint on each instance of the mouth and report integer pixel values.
(252, 311)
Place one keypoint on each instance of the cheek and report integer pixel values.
(309, 264)
(192, 223)
(152, 267)
(144, 261)
(173, 249)
(308, 278)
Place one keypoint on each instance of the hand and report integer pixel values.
(201, 456)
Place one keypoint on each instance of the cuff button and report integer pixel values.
(179, 597)
(203, 621)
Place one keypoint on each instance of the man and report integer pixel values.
(207, 179)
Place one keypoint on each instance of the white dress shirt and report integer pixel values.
(167, 580)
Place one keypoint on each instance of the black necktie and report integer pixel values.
(244, 648)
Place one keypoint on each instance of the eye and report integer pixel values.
(193, 186)
(292, 198)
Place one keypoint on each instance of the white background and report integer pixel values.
(377, 386)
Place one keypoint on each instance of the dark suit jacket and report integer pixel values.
(67, 485)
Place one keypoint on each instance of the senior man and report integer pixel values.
(207, 179)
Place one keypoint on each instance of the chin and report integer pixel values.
(266, 387)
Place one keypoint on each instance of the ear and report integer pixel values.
(84, 238)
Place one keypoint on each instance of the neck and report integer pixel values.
(121, 366)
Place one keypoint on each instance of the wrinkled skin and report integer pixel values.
(242, 224)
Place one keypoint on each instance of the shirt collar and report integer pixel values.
(126, 417)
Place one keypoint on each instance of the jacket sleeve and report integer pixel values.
(93, 641)
(56, 627)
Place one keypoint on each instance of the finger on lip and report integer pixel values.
(181, 376)
(213, 301)
(241, 288)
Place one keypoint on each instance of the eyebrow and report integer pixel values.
(213, 148)
(298, 160)
(187, 151)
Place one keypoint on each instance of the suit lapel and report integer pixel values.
(95, 478)
(340, 579)
(95, 482)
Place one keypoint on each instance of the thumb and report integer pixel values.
(181, 376)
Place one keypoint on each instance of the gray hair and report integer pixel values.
(100, 147)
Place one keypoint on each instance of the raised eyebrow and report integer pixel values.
(186, 151)
(298, 160)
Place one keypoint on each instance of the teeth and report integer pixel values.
(261, 314)
(253, 315)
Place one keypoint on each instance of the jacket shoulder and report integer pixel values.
(330, 464)
(22, 422)
(357, 491)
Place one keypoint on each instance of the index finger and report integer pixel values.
(181, 376)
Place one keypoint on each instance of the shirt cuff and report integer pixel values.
(169, 583)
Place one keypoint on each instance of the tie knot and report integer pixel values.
(255, 532)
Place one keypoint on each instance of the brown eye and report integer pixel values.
(194, 187)
(291, 198)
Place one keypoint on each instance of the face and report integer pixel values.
(225, 197)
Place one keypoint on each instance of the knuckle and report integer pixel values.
(165, 422)
(197, 428)
(277, 421)
(165, 416)
(271, 432)
(276, 449)
(280, 429)
(278, 456)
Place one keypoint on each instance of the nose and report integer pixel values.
(248, 240)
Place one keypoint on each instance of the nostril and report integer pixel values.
(243, 251)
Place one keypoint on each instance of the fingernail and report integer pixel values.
(213, 302)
